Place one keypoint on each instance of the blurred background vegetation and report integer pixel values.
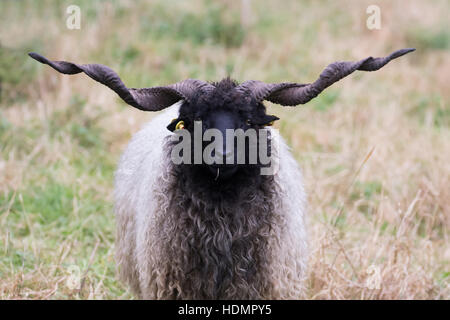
(61, 136)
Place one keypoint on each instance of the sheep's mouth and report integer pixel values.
(222, 172)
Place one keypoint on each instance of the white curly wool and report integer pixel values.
(143, 170)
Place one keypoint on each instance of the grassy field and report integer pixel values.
(374, 148)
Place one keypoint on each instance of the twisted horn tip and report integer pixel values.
(37, 57)
(402, 52)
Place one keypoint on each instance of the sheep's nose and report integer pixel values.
(225, 152)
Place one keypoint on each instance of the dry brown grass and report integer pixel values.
(374, 148)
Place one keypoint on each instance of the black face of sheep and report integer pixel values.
(226, 110)
(223, 105)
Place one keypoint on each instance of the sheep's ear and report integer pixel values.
(147, 99)
(292, 94)
(267, 120)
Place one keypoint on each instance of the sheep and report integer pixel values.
(211, 230)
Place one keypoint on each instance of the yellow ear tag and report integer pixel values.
(180, 125)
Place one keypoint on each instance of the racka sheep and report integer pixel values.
(211, 229)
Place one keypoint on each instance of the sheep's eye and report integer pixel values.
(248, 122)
(180, 125)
